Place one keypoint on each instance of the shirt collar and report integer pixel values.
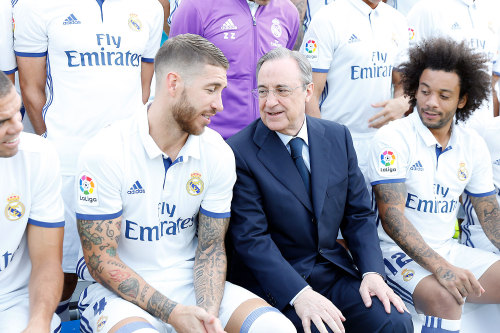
(191, 147)
(427, 135)
(363, 7)
(302, 134)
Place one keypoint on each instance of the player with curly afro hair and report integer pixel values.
(444, 54)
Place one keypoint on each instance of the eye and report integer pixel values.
(444, 97)
(211, 90)
(425, 92)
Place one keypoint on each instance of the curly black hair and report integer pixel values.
(450, 56)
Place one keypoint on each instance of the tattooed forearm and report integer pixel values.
(445, 274)
(130, 288)
(210, 263)
(160, 306)
(390, 202)
(301, 7)
(489, 216)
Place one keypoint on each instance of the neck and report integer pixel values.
(164, 130)
(442, 134)
(371, 4)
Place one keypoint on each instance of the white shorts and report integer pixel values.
(14, 315)
(474, 236)
(71, 242)
(404, 274)
(101, 309)
(362, 148)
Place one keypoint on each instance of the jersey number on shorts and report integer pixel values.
(99, 306)
(400, 261)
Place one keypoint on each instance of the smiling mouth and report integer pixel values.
(12, 141)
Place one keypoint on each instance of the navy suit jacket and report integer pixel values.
(278, 232)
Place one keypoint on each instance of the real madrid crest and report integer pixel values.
(462, 172)
(276, 28)
(195, 185)
(134, 23)
(14, 209)
(407, 274)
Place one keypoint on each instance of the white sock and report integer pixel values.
(63, 310)
(267, 319)
(440, 325)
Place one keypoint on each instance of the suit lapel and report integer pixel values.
(275, 157)
(320, 157)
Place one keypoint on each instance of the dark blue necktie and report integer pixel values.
(296, 150)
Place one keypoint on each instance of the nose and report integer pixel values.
(271, 99)
(15, 125)
(217, 105)
(432, 100)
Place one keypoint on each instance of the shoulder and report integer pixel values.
(397, 129)
(212, 144)
(244, 138)
(110, 141)
(34, 144)
(284, 6)
(331, 128)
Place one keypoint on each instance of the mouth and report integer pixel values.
(13, 141)
(274, 114)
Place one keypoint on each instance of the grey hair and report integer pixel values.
(5, 85)
(185, 54)
(283, 53)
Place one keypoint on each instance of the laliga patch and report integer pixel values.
(408, 274)
(311, 50)
(462, 172)
(388, 164)
(87, 190)
(195, 185)
(411, 33)
(14, 209)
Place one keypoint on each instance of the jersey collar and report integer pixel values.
(191, 147)
(363, 7)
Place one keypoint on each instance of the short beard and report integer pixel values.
(185, 114)
(440, 124)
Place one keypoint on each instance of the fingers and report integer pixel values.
(476, 288)
(398, 302)
(380, 104)
(365, 296)
(384, 299)
(213, 325)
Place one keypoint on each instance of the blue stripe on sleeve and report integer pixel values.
(148, 60)
(46, 224)
(387, 181)
(31, 54)
(320, 70)
(214, 215)
(12, 71)
(479, 195)
(93, 217)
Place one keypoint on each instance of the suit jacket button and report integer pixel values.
(313, 220)
(321, 251)
(304, 276)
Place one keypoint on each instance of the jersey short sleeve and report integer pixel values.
(155, 33)
(97, 183)
(30, 33)
(47, 208)
(388, 157)
(7, 57)
(319, 42)
(421, 21)
(217, 201)
(481, 177)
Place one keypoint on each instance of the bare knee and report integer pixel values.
(434, 300)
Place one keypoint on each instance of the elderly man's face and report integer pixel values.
(278, 113)
(10, 123)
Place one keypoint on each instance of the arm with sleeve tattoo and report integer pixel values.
(301, 7)
(210, 263)
(489, 216)
(99, 242)
(390, 199)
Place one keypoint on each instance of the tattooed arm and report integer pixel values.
(99, 242)
(210, 263)
(390, 199)
(487, 212)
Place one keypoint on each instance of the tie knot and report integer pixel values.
(296, 147)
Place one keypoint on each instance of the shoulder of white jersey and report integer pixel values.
(32, 143)
(212, 143)
(399, 128)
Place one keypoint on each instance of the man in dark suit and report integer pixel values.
(298, 184)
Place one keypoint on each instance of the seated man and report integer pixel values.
(419, 167)
(286, 215)
(154, 195)
(31, 225)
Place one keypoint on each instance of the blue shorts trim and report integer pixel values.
(252, 317)
(92, 217)
(132, 327)
(46, 224)
(214, 215)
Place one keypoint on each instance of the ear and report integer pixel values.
(462, 101)
(309, 91)
(172, 83)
